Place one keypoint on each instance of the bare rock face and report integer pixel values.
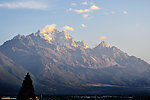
(58, 63)
(54, 36)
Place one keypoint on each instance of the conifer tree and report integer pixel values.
(27, 90)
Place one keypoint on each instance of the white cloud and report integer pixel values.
(27, 5)
(125, 12)
(113, 12)
(82, 25)
(73, 4)
(102, 37)
(70, 9)
(68, 28)
(48, 28)
(85, 16)
(84, 3)
(93, 7)
(137, 25)
(81, 11)
(91, 3)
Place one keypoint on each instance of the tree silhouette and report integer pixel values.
(27, 90)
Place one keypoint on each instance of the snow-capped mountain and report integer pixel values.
(54, 36)
(59, 64)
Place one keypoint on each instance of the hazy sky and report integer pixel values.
(122, 23)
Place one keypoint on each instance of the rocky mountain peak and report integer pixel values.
(103, 44)
(64, 63)
(54, 36)
(82, 44)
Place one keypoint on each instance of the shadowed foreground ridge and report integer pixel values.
(27, 90)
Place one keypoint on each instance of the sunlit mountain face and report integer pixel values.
(60, 65)
(54, 36)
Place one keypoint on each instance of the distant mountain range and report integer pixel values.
(60, 65)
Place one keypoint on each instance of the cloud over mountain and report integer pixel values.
(83, 25)
(48, 28)
(68, 28)
(102, 37)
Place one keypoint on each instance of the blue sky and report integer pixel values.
(122, 23)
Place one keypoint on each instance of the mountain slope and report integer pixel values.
(58, 63)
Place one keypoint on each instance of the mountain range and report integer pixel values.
(60, 65)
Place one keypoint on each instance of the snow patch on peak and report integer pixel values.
(67, 36)
(48, 33)
(103, 44)
(54, 36)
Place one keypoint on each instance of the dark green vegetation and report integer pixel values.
(57, 68)
(27, 90)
